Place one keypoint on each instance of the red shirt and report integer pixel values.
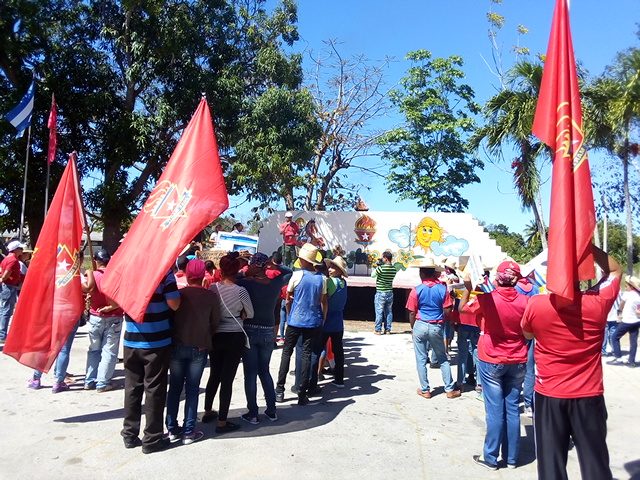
(10, 263)
(470, 315)
(413, 304)
(569, 341)
(501, 339)
(98, 300)
(289, 231)
(207, 280)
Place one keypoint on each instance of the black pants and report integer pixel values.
(145, 371)
(583, 419)
(291, 336)
(338, 353)
(224, 359)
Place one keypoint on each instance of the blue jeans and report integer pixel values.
(8, 297)
(427, 335)
(468, 336)
(283, 319)
(632, 329)
(62, 362)
(529, 376)
(255, 362)
(383, 302)
(104, 340)
(186, 366)
(501, 384)
(609, 333)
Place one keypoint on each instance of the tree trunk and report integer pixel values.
(537, 213)
(627, 201)
(111, 234)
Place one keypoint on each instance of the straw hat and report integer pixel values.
(633, 281)
(310, 253)
(339, 263)
(426, 262)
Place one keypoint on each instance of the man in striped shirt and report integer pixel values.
(383, 302)
(147, 350)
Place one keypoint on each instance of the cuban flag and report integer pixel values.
(20, 116)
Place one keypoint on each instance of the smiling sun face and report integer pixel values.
(428, 231)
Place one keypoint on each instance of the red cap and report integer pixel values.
(509, 265)
(195, 269)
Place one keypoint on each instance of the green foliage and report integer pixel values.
(513, 244)
(127, 77)
(495, 20)
(277, 140)
(430, 158)
(617, 242)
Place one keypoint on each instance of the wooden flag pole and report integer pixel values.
(46, 189)
(24, 186)
(84, 213)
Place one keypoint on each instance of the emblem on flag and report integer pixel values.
(67, 265)
(20, 116)
(166, 202)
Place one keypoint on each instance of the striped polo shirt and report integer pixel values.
(384, 275)
(155, 330)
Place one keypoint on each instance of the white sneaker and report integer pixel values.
(194, 437)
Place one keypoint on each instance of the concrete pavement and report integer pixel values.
(376, 427)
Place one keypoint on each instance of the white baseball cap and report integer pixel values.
(288, 215)
(15, 245)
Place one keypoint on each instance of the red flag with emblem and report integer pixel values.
(53, 138)
(189, 195)
(51, 299)
(558, 123)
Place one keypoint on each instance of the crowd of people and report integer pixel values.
(241, 310)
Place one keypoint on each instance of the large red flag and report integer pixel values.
(51, 300)
(189, 195)
(558, 123)
(53, 139)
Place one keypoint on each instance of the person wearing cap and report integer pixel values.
(264, 291)
(502, 360)
(629, 322)
(9, 282)
(569, 401)
(306, 313)
(289, 231)
(194, 325)
(105, 327)
(333, 328)
(427, 305)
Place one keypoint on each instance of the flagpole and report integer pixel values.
(24, 186)
(46, 190)
(84, 214)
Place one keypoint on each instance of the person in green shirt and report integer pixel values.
(383, 301)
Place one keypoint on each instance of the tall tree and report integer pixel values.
(430, 157)
(615, 99)
(508, 120)
(127, 76)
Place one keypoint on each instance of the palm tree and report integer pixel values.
(509, 118)
(614, 100)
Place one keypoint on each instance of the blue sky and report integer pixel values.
(379, 29)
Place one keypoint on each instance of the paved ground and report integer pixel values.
(377, 427)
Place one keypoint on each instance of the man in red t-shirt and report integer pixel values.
(289, 231)
(569, 399)
(9, 281)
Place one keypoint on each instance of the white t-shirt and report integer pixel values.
(631, 300)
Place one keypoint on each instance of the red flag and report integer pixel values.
(53, 139)
(51, 300)
(558, 123)
(189, 195)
